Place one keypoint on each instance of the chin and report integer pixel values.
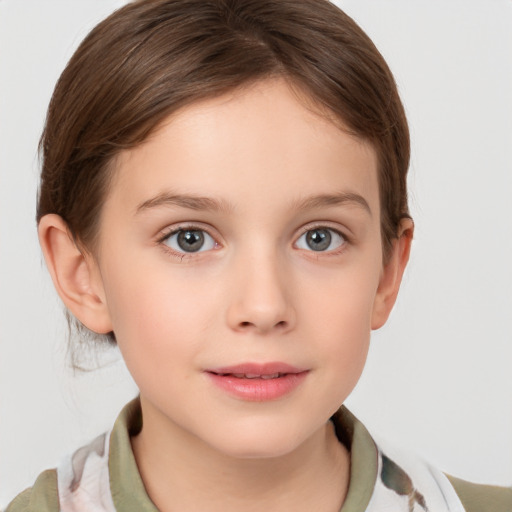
(258, 443)
(257, 450)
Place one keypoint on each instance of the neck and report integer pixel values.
(183, 473)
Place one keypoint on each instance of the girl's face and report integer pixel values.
(241, 267)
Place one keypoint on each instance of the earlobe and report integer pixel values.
(392, 274)
(74, 274)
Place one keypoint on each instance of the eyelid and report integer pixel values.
(166, 232)
(347, 239)
(169, 231)
(344, 232)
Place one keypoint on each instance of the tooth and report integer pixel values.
(254, 375)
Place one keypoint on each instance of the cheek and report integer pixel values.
(341, 299)
(157, 314)
(344, 337)
(339, 317)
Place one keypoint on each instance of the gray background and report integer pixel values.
(439, 376)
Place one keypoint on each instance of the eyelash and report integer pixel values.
(191, 227)
(333, 252)
(175, 230)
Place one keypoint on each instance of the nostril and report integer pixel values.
(281, 324)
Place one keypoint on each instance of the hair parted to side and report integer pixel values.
(153, 57)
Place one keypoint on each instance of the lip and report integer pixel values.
(267, 381)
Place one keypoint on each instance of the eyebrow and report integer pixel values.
(190, 201)
(326, 200)
(201, 203)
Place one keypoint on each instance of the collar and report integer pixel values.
(129, 493)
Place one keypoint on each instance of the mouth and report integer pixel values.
(258, 382)
(252, 375)
(271, 370)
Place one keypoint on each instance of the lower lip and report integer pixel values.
(258, 390)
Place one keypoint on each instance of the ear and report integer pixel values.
(392, 274)
(75, 274)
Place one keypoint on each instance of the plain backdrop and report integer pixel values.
(438, 378)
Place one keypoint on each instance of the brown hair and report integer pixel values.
(152, 57)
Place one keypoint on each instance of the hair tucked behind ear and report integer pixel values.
(152, 57)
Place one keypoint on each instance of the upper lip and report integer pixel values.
(270, 368)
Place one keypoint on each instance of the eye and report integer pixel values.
(320, 240)
(190, 240)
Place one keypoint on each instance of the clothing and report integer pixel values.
(103, 477)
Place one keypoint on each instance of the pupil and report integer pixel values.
(318, 239)
(190, 241)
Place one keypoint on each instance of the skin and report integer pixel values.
(255, 292)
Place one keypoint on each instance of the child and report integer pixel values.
(223, 196)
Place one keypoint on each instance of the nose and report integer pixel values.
(260, 297)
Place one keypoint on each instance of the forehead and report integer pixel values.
(265, 141)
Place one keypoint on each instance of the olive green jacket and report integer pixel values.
(369, 468)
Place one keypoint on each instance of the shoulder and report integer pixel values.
(41, 497)
(482, 498)
(83, 479)
(80, 482)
